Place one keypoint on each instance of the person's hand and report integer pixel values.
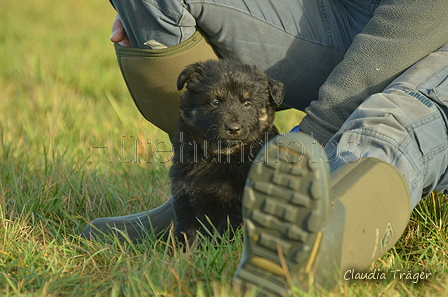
(118, 34)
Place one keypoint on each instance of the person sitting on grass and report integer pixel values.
(372, 77)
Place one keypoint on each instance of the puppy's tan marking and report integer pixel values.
(217, 93)
(264, 117)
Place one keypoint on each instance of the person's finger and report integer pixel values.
(117, 30)
(125, 41)
(118, 33)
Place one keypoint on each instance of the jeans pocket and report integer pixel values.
(436, 87)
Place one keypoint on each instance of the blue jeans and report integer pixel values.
(405, 125)
(290, 40)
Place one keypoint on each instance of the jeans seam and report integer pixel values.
(434, 116)
(248, 14)
(419, 87)
(269, 24)
(325, 23)
(163, 9)
(389, 140)
(374, 6)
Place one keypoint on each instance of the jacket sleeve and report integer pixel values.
(400, 33)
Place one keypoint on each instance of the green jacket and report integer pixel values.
(400, 33)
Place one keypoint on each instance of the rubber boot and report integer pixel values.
(304, 228)
(371, 210)
(151, 77)
(135, 227)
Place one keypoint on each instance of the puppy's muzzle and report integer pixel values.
(233, 129)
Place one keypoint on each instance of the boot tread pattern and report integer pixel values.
(286, 207)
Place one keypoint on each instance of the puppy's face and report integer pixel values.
(228, 102)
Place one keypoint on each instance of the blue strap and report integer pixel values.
(295, 129)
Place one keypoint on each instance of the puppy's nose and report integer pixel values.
(233, 128)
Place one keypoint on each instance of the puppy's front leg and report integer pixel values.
(186, 224)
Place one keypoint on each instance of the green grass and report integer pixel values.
(68, 131)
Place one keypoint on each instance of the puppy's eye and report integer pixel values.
(215, 103)
(247, 104)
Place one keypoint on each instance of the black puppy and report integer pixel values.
(226, 116)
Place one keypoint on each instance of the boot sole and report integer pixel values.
(286, 207)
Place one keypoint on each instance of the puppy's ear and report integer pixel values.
(192, 72)
(276, 91)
